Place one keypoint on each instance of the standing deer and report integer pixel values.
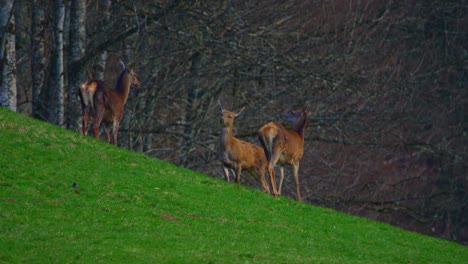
(107, 104)
(238, 155)
(284, 146)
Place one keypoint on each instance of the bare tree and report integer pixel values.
(76, 73)
(38, 56)
(6, 12)
(56, 79)
(7, 56)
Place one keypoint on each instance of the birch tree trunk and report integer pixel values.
(7, 56)
(76, 73)
(38, 60)
(56, 80)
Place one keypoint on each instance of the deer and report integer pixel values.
(284, 146)
(239, 155)
(106, 104)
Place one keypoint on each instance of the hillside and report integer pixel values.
(133, 208)
(385, 81)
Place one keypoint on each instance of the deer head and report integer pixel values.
(227, 117)
(297, 118)
(134, 78)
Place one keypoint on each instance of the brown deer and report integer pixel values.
(239, 155)
(107, 104)
(284, 146)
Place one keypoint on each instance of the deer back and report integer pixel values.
(248, 154)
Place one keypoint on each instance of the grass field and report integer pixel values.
(131, 208)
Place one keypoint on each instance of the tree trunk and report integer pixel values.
(56, 80)
(194, 104)
(23, 49)
(76, 73)
(38, 60)
(7, 56)
(6, 11)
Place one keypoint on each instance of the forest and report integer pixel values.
(386, 82)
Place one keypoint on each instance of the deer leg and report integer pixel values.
(84, 129)
(98, 117)
(97, 124)
(96, 130)
(115, 131)
(226, 173)
(261, 175)
(238, 173)
(106, 130)
(281, 179)
(271, 172)
(296, 178)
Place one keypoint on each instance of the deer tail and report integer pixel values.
(266, 136)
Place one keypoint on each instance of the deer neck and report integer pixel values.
(226, 136)
(123, 84)
(300, 126)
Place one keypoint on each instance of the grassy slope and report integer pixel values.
(133, 208)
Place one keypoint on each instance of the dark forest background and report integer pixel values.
(387, 81)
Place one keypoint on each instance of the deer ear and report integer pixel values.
(240, 111)
(121, 65)
(220, 105)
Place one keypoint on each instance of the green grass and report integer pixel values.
(131, 208)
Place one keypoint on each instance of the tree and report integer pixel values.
(56, 77)
(7, 56)
(76, 73)
(38, 57)
(6, 11)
